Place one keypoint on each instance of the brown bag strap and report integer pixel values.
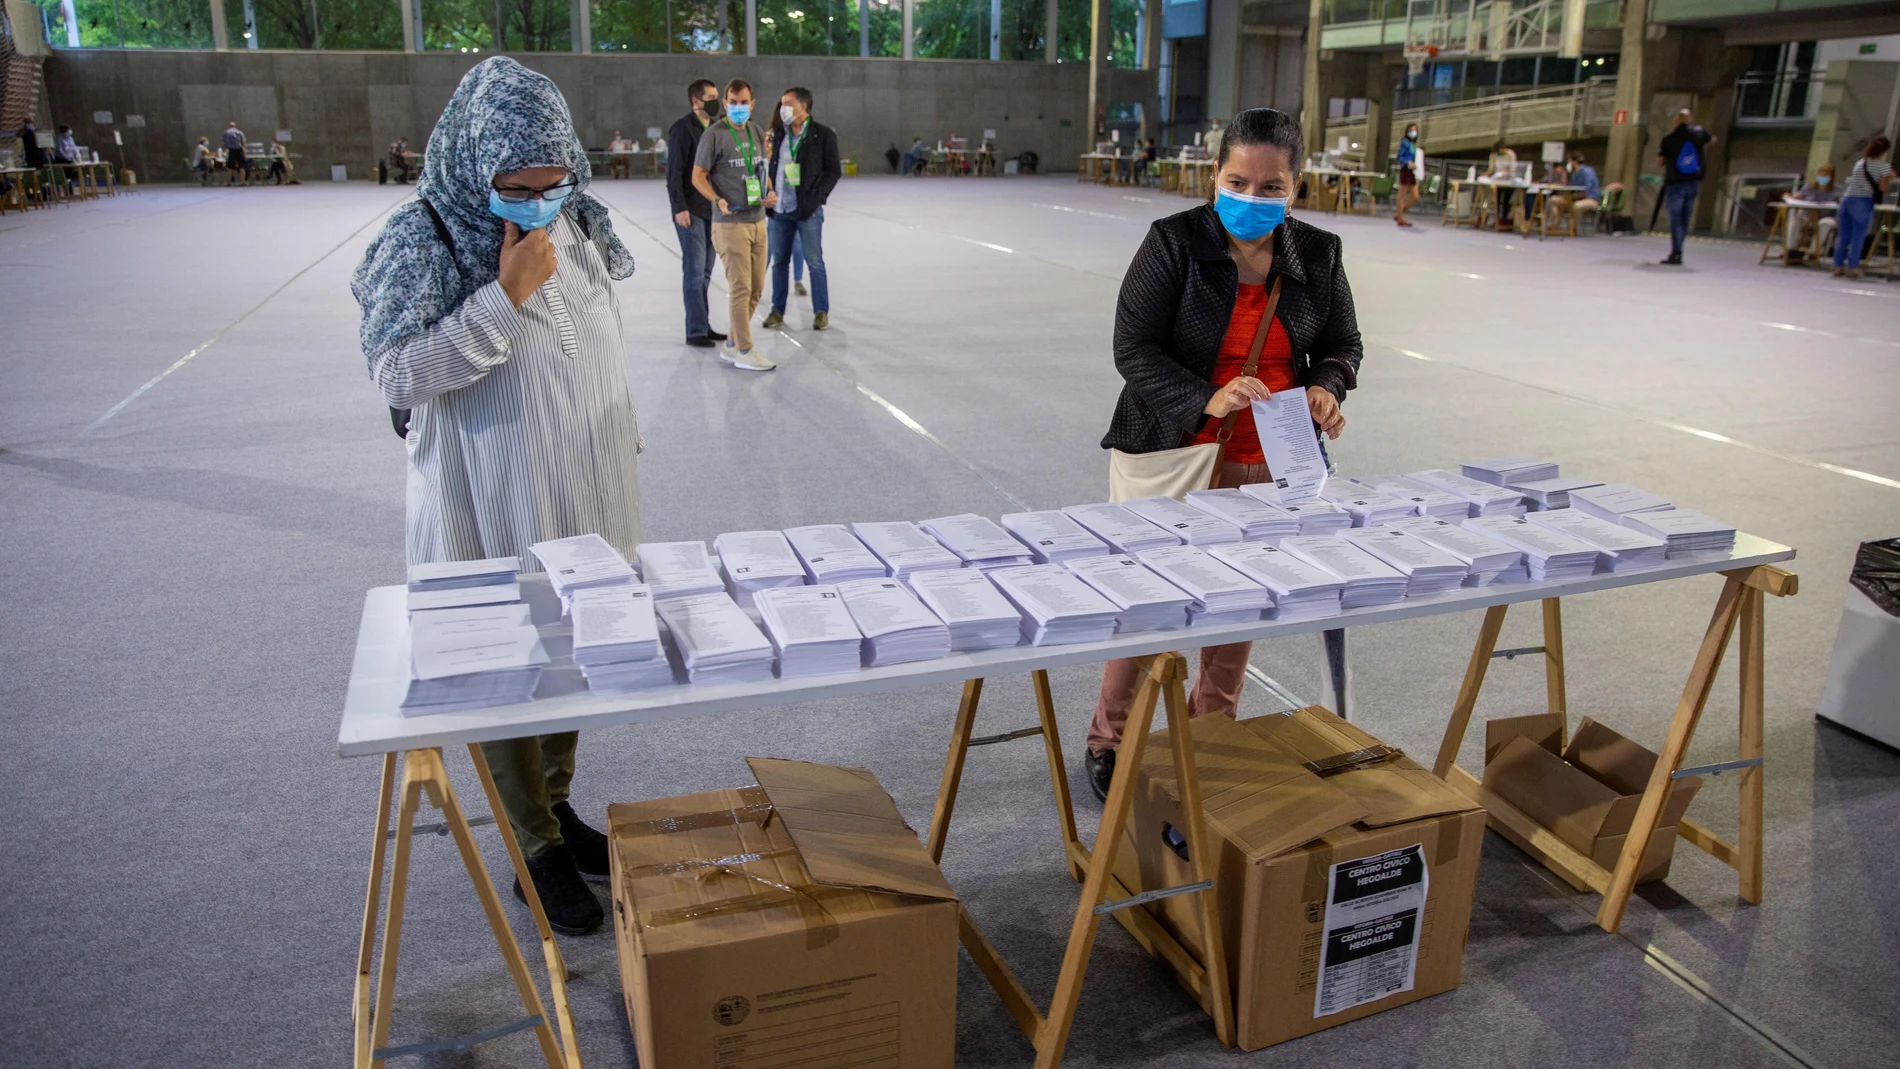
(1252, 366)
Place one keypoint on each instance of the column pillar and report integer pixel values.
(1098, 25)
(220, 34)
(910, 51)
(1381, 80)
(1051, 31)
(751, 27)
(1312, 105)
(582, 19)
(864, 28)
(1151, 36)
(408, 13)
(1623, 161)
(996, 30)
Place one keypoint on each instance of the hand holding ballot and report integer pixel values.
(1289, 443)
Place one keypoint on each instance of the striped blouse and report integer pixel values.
(523, 428)
(1860, 180)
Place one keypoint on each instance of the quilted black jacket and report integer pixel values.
(1175, 303)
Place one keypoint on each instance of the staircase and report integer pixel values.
(19, 82)
(1547, 113)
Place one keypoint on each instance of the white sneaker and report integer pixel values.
(747, 359)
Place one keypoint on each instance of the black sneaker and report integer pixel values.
(701, 341)
(1101, 768)
(570, 905)
(588, 846)
(715, 335)
(1672, 260)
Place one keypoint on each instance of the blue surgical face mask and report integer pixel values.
(527, 214)
(1823, 179)
(739, 113)
(1249, 218)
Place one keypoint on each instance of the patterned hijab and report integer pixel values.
(503, 118)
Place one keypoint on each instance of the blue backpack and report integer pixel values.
(1689, 159)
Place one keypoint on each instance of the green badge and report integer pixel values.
(753, 191)
(792, 172)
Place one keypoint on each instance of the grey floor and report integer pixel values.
(197, 484)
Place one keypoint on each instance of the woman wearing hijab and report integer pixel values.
(489, 312)
(1224, 305)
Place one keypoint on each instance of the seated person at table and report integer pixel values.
(203, 159)
(620, 158)
(280, 163)
(1503, 168)
(1554, 176)
(1582, 174)
(915, 159)
(399, 159)
(1819, 190)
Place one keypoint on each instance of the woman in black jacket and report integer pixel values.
(1191, 305)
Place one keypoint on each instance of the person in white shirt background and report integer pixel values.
(620, 151)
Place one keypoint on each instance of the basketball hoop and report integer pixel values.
(1416, 58)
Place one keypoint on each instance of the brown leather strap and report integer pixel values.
(1252, 365)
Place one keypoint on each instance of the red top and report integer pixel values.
(1276, 370)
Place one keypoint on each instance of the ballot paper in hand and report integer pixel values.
(978, 615)
(1425, 501)
(1257, 520)
(1146, 602)
(1428, 570)
(617, 640)
(1369, 580)
(755, 561)
(811, 629)
(1620, 548)
(905, 548)
(678, 569)
(1196, 527)
(1686, 531)
(1124, 531)
(1058, 609)
(580, 562)
(1486, 559)
(832, 554)
(715, 640)
(1508, 471)
(1613, 501)
(1550, 554)
(1052, 537)
(897, 628)
(1221, 594)
(1484, 498)
(1301, 591)
(1550, 493)
(977, 541)
(471, 659)
(1290, 443)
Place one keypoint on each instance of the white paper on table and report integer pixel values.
(962, 596)
(796, 615)
(456, 597)
(711, 626)
(580, 560)
(490, 651)
(614, 616)
(449, 570)
(441, 623)
(670, 564)
(1290, 443)
(883, 606)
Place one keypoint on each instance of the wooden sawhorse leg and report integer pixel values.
(1739, 606)
(423, 772)
(1163, 681)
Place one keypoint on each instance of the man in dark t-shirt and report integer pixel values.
(1683, 159)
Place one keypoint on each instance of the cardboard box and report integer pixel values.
(795, 922)
(1587, 792)
(1340, 894)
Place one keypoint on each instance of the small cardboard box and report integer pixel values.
(798, 921)
(1587, 792)
(1340, 894)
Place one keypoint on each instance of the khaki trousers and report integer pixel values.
(742, 248)
(532, 776)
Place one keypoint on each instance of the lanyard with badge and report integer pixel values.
(793, 171)
(754, 190)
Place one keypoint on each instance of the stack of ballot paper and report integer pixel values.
(715, 640)
(1545, 494)
(1509, 471)
(978, 615)
(1221, 594)
(1619, 548)
(470, 658)
(1300, 590)
(904, 548)
(755, 561)
(1053, 537)
(678, 569)
(1613, 501)
(617, 640)
(449, 584)
(1058, 608)
(977, 541)
(1195, 527)
(1366, 506)
(811, 629)
(1486, 559)
(1425, 500)
(580, 562)
(1686, 532)
(1428, 570)
(896, 626)
(1257, 520)
(1124, 531)
(1146, 602)
(1317, 515)
(832, 554)
(1550, 554)
(1369, 580)
(1484, 498)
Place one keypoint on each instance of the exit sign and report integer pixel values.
(1869, 48)
(1622, 117)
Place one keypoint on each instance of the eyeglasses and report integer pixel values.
(557, 191)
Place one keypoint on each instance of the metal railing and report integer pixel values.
(1547, 113)
(1785, 98)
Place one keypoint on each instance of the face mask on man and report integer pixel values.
(531, 214)
(1249, 218)
(785, 114)
(739, 114)
(712, 107)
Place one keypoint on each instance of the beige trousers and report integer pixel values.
(741, 247)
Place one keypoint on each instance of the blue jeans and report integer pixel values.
(1857, 217)
(1680, 202)
(696, 264)
(798, 258)
(781, 231)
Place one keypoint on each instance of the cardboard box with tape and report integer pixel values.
(1346, 872)
(1586, 792)
(797, 921)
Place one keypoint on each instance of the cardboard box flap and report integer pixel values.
(1259, 797)
(1392, 791)
(1544, 729)
(846, 829)
(1625, 766)
(1557, 795)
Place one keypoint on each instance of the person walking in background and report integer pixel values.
(729, 170)
(1411, 165)
(692, 215)
(1681, 159)
(488, 312)
(32, 155)
(805, 168)
(234, 154)
(1869, 180)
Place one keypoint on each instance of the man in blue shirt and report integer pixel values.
(1582, 174)
(1683, 166)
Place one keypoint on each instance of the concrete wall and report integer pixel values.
(346, 107)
